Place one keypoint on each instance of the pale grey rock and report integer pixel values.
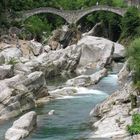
(22, 127)
(14, 99)
(115, 114)
(96, 77)
(47, 48)
(86, 80)
(52, 63)
(10, 53)
(124, 73)
(119, 97)
(36, 83)
(134, 137)
(55, 62)
(119, 51)
(18, 94)
(21, 68)
(66, 91)
(98, 52)
(6, 71)
(35, 48)
(82, 80)
(24, 60)
(95, 50)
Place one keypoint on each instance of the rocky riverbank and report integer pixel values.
(23, 77)
(116, 111)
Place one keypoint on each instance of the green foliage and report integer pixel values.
(133, 54)
(12, 61)
(119, 3)
(131, 23)
(135, 127)
(111, 23)
(37, 26)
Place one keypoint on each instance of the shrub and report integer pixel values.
(130, 23)
(135, 127)
(12, 61)
(133, 54)
(36, 26)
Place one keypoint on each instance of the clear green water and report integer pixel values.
(71, 119)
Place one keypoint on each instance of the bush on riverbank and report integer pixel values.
(133, 54)
(130, 25)
(135, 127)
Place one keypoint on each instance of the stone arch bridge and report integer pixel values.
(71, 16)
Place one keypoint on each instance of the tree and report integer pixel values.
(131, 23)
(37, 26)
(133, 54)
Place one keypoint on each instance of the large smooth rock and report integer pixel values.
(22, 127)
(86, 80)
(6, 71)
(98, 52)
(119, 51)
(95, 50)
(10, 53)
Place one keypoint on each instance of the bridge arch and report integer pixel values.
(71, 16)
(42, 10)
(118, 11)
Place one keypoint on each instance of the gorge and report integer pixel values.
(70, 82)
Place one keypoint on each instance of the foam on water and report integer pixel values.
(83, 92)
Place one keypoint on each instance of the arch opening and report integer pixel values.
(110, 27)
(41, 25)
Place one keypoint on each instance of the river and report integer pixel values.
(71, 119)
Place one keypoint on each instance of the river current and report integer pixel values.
(71, 120)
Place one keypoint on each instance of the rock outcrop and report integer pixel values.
(22, 127)
(86, 80)
(98, 52)
(114, 113)
(56, 62)
(124, 73)
(19, 93)
(6, 71)
(10, 53)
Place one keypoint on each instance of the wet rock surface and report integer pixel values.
(22, 127)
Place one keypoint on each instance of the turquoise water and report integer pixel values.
(108, 84)
(71, 119)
